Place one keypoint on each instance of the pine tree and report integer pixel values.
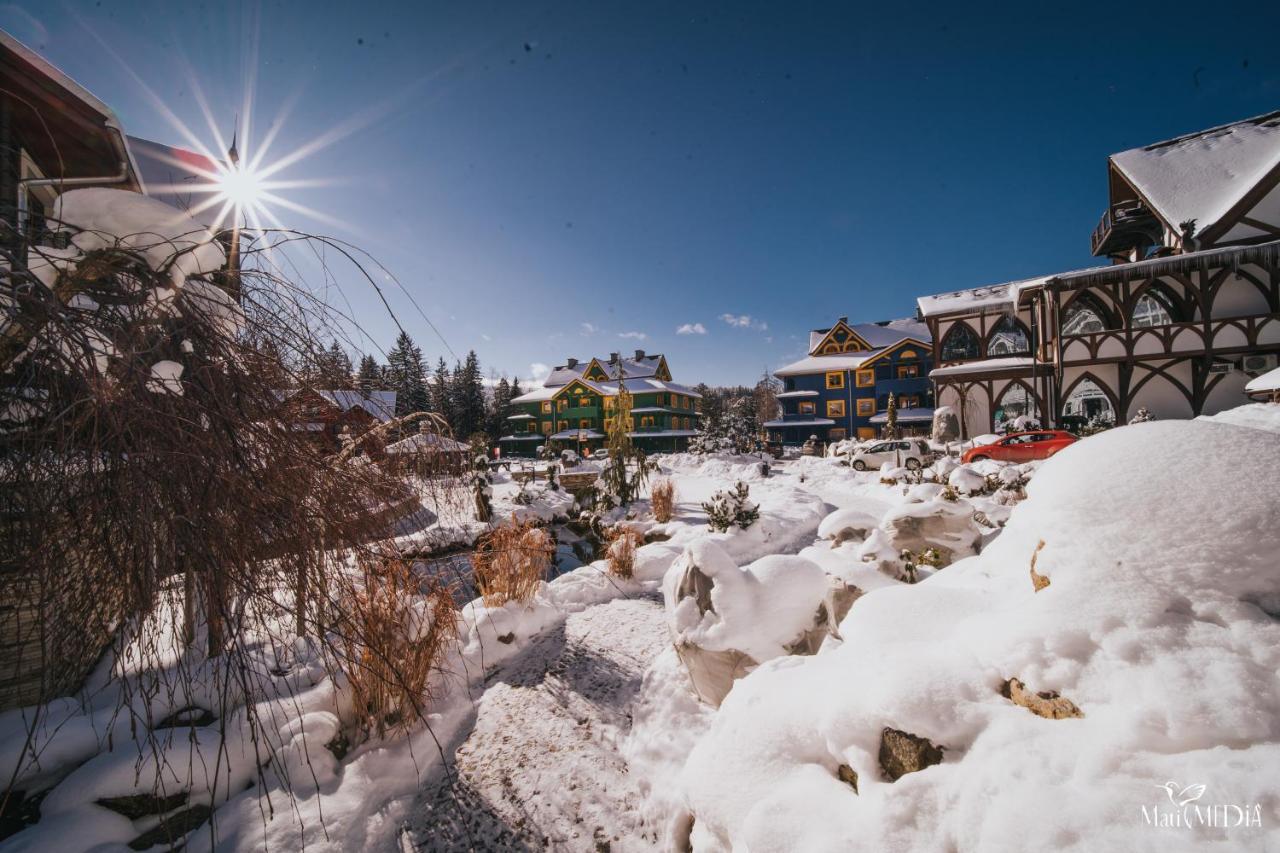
(441, 392)
(471, 398)
(336, 367)
(370, 376)
(501, 408)
(406, 375)
(891, 418)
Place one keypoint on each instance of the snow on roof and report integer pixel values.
(1202, 175)
(380, 404)
(819, 363)
(576, 434)
(428, 441)
(632, 368)
(793, 423)
(181, 178)
(986, 365)
(978, 298)
(664, 433)
(1269, 381)
(523, 416)
(787, 394)
(644, 385)
(879, 335)
(522, 437)
(917, 414)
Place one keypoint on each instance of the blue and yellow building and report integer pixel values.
(576, 406)
(841, 390)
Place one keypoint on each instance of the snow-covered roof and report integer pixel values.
(978, 299)
(1202, 175)
(576, 434)
(986, 365)
(1265, 383)
(644, 385)
(428, 441)
(532, 436)
(905, 415)
(523, 416)
(380, 404)
(639, 365)
(664, 433)
(810, 422)
(181, 178)
(788, 394)
(879, 335)
(820, 363)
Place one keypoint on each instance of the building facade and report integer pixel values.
(841, 390)
(1185, 315)
(577, 404)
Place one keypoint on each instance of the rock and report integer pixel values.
(1038, 581)
(846, 525)
(1047, 704)
(848, 775)
(902, 753)
(507, 638)
(966, 480)
(946, 426)
(713, 672)
(172, 829)
(946, 527)
(826, 621)
(141, 805)
(192, 715)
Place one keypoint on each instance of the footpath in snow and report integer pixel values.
(541, 766)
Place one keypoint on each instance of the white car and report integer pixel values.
(912, 453)
(600, 453)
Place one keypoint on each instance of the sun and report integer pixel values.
(240, 186)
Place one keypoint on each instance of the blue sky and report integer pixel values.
(556, 179)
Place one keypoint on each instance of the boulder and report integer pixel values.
(944, 526)
(966, 480)
(1046, 703)
(946, 426)
(846, 525)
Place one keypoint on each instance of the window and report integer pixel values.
(608, 404)
(608, 424)
(546, 407)
(1087, 402)
(646, 421)
(584, 402)
(836, 434)
(1015, 402)
(835, 379)
(865, 378)
(584, 423)
(866, 433)
(960, 343)
(835, 408)
(907, 371)
(533, 426)
(866, 406)
(562, 404)
(1008, 337)
(1084, 316)
(807, 407)
(909, 401)
(1154, 308)
(546, 427)
(908, 354)
(882, 447)
(661, 400)
(563, 425)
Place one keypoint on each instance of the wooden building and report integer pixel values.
(575, 406)
(1186, 313)
(841, 390)
(329, 416)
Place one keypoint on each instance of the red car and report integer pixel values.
(1022, 446)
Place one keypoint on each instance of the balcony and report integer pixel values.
(1123, 227)
(574, 412)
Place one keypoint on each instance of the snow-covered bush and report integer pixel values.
(662, 497)
(621, 553)
(1142, 416)
(511, 562)
(731, 507)
(1148, 652)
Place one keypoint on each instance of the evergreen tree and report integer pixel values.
(891, 418)
(406, 375)
(370, 376)
(442, 392)
(501, 408)
(472, 414)
(337, 367)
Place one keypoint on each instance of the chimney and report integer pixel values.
(571, 363)
(844, 320)
(639, 355)
(613, 358)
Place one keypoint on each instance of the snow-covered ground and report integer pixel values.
(1150, 610)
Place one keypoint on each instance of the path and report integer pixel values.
(540, 769)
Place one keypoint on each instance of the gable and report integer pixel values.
(663, 372)
(841, 339)
(576, 388)
(595, 371)
(919, 348)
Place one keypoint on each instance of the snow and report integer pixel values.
(787, 395)
(1264, 416)
(570, 721)
(1203, 175)
(905, 415)
(1269, 381)
(821, 363)
(1162, 639)
(986, 365)
(977, 299)
(427, 440)
(166, 378)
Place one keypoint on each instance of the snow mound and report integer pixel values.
(1256, 415)
(1158, 624)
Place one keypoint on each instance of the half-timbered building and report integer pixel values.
(576, 406)
(1185, 314)
(841, 389)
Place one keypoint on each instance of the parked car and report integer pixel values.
(1022, 446)
(910, 452)
(600, 453)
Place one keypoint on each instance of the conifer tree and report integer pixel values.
(501, 408)
(370, 376)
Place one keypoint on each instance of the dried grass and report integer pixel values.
(621, 554)
(399, 627)
(511, 561)
(663, 499)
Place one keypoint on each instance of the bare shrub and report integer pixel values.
(398, 627)
(663, 499)
(621, 555)
(511, 561)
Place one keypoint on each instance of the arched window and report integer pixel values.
(1084, 316)
(1008, 337)
(1156, 307)
(1087, 403)
(960, 343)
(1016, 402)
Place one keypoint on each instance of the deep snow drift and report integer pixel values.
(1158, 623)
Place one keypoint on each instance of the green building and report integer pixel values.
(575, 407)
